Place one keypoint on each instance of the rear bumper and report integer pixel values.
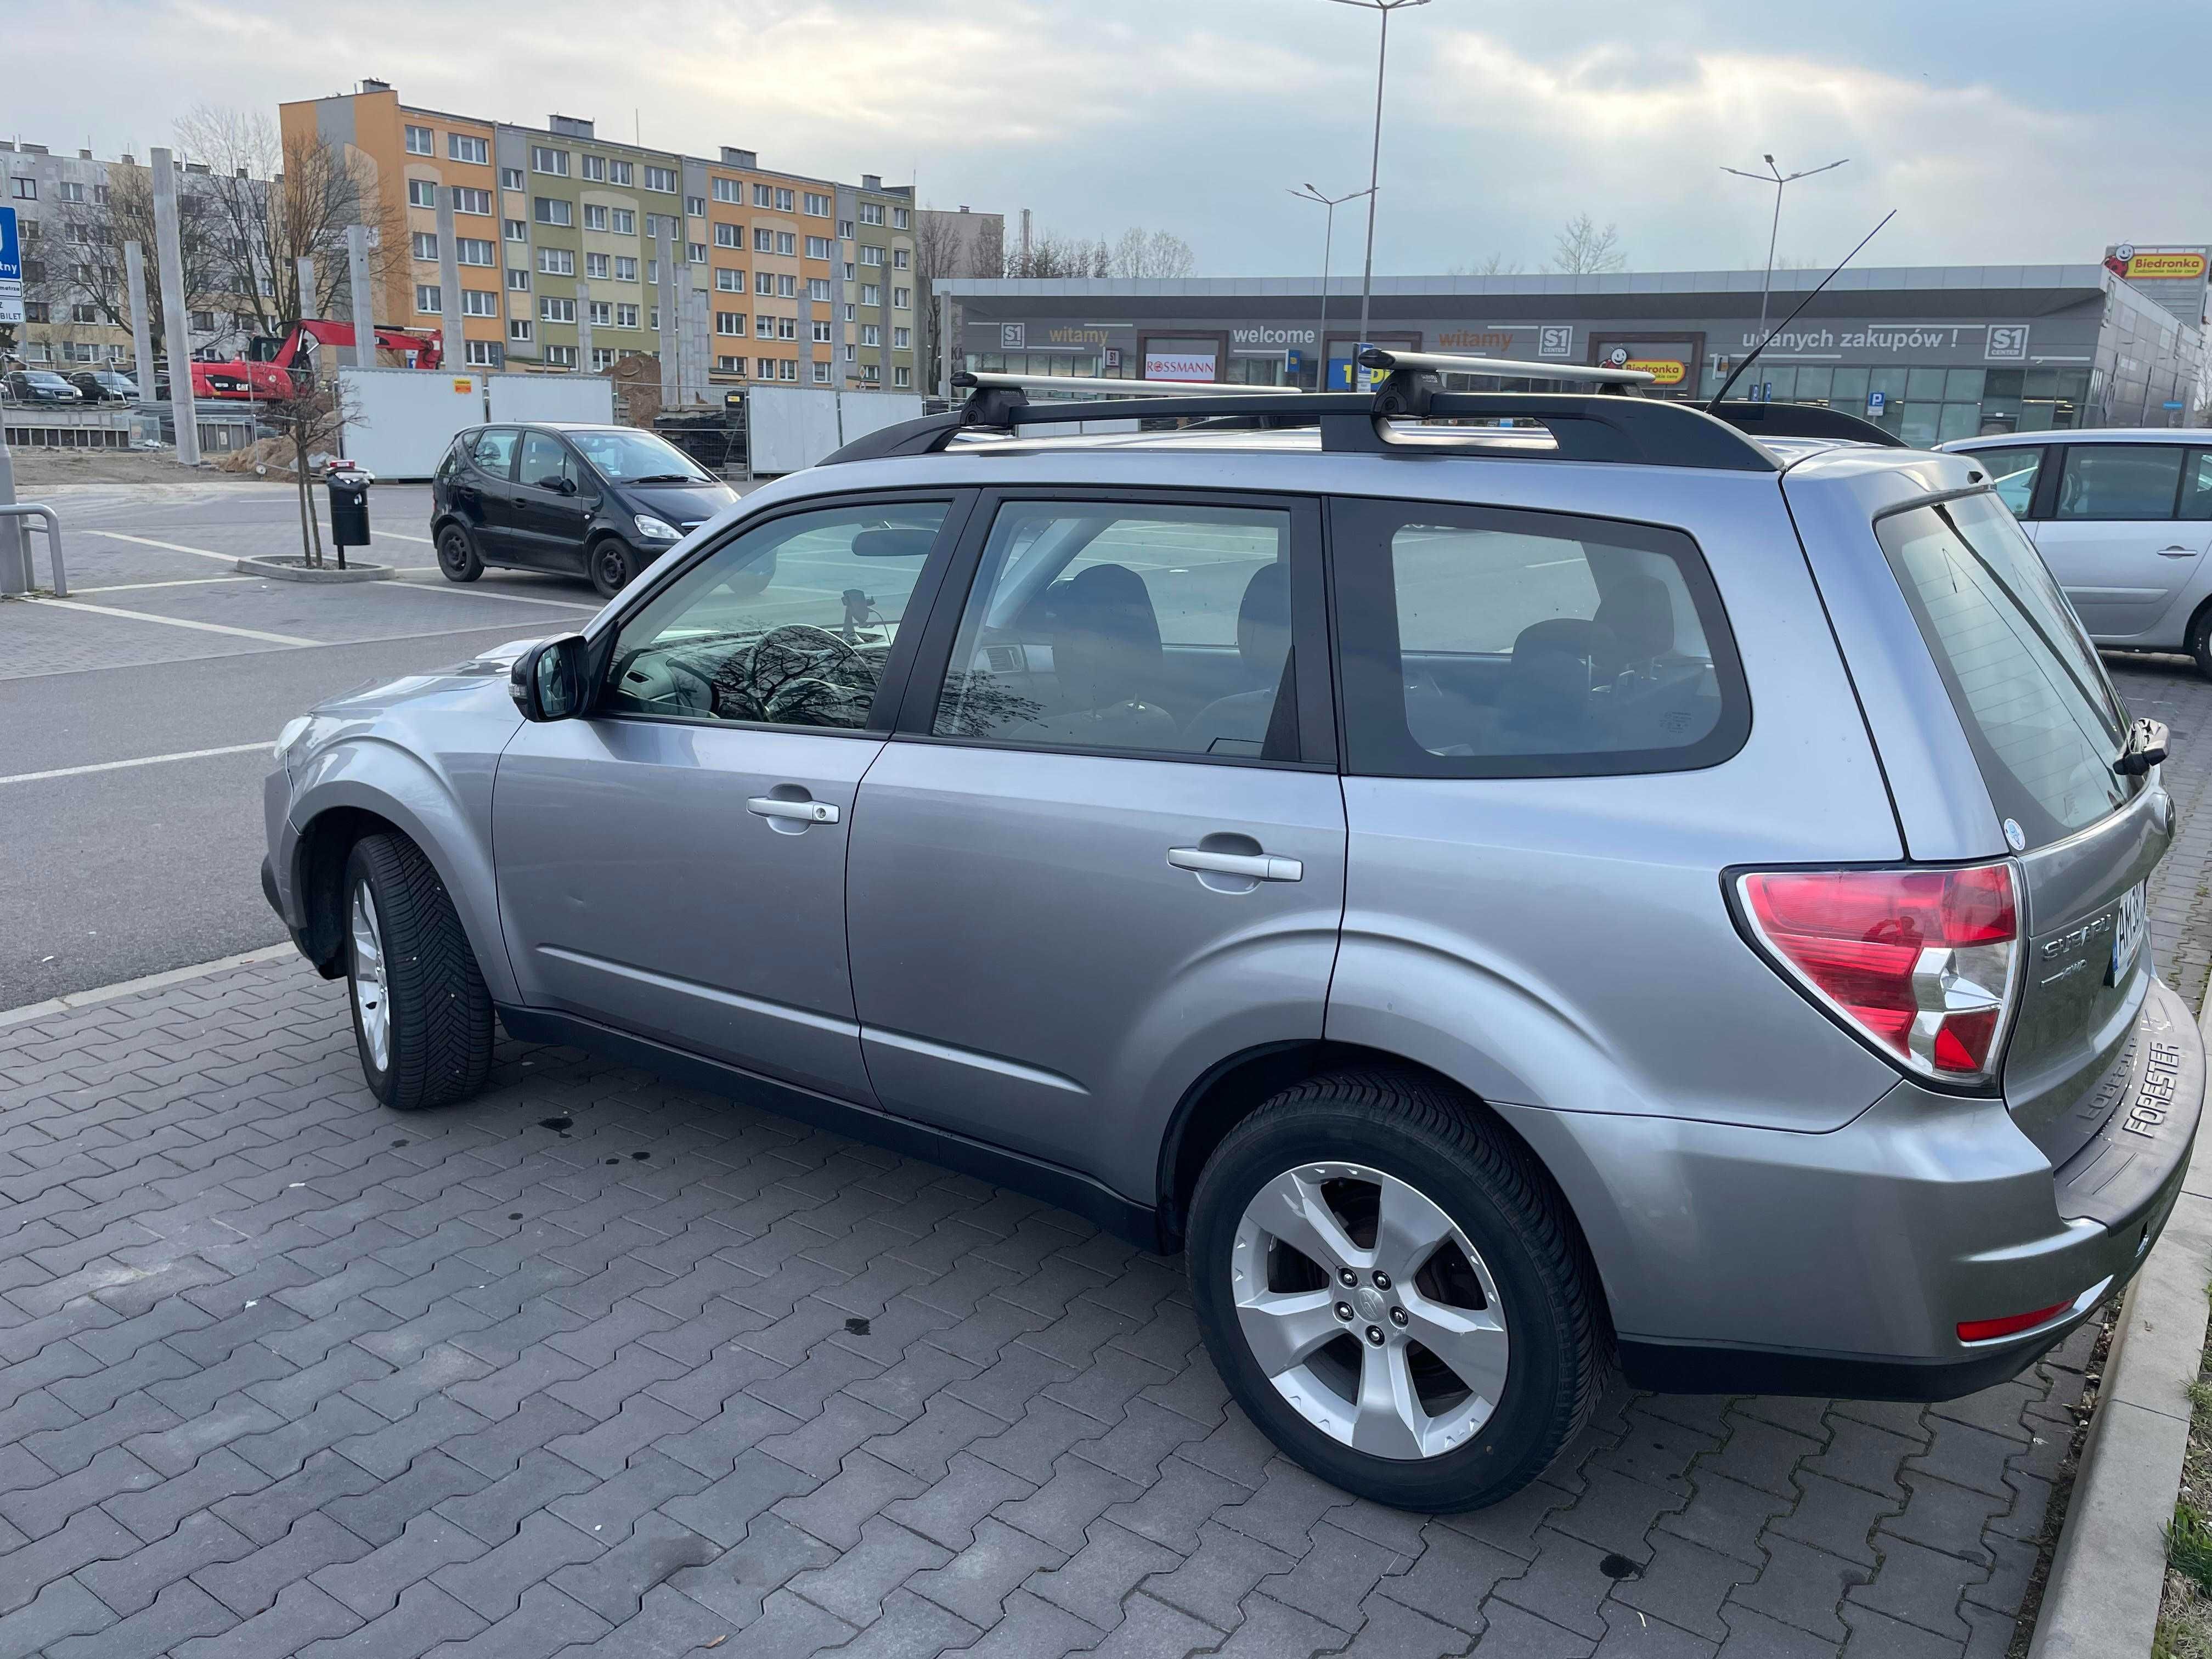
(1742, 1260)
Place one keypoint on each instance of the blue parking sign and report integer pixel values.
(11, 269)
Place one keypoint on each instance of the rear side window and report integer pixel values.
(494, 450)
(2040, 714)
(2197, 485)
(1487, 643)
(2120, 480)
(2013, 473)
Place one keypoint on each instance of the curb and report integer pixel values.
(64, 1004)
(2109, 1571)
(276, 571)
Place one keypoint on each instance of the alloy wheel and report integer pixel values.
(372, 994)
(1370, 1311)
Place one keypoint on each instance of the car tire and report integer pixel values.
(457, 553)
(1506, 1291)
(612, 565)
(2199, 641)
(421, 1012)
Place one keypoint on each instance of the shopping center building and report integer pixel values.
(1930, 352)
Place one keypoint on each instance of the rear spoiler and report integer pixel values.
(1766, 420)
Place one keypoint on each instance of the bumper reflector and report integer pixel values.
(1982, 1330)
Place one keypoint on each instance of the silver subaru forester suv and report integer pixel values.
(1509, 884)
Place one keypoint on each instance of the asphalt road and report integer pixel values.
(110, 874)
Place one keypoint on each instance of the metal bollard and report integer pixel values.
(14, 511)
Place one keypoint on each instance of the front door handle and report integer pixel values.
(807, 811)
(2177, 552)
(1261, 866)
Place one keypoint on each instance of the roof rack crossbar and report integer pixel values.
(1507, 368)
(986, 378)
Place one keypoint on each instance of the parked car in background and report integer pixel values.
(104, 385)
(602, 501)
(2124, 517)
(40, 385)
(1500, 901)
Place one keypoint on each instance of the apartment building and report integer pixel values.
(553, 247)
(76, 307)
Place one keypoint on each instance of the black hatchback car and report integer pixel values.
(602, 501)
(104, 385)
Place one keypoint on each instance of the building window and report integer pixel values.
(82, 313)
(425, 244)
(429, 298)
(787, 244)
(845, 229)
(763, 196)
(554, 210)
(729, 365)
(870, 254)
(728, 190)
(764, 367)
(661, 178)
(871, 213)
(510, 179)
(474, 251)
(560, 357)
(518, 329)
(422, 192)
(764, 282)
(517, 278)
(872, 373)
(901, 376)
(598, 265)
(595, 218)
(901, 299)
(620, 172)
(653, 320)
(557, 261)
(786, 287)
(460, 147)
(763, 240)
(871, 335)
(543, 158)
(593, 167)
(466, 200)
(479, 302)
(786, 369)
(901, 258)
(729, 322)
(851, 351)
(765, 327)
(902, 339)
(696, 206)
(817, 288)
(625, 222)
(418, 142)
(784, 201)
(38, 311)
(625, 269)
(603, 357)
(822, 334)
(694, 253)
(848, 318)
(900, 218)
(70, 191)
(821, 373)
(818, 247)
(786, 328)
(652, 271)
(517, 230)
(871, 294)
(601, 313)
(482, 353)
(818, 205)
(729, 235)
(625, 316)
(729, 282)
(848, 270)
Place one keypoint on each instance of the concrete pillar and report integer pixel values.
(944, 347)
(583, 326)
(449, 282)
(15, 546)
(363, 300)
(176, 318)
(309, 306)
(671, 312)
(142, 319)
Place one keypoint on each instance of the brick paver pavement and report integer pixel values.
(595, 1364)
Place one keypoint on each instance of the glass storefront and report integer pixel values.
(1926, 406)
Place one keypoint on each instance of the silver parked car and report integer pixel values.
(2124, 517)
(1504, 900)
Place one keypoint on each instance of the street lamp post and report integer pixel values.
(1375, 158)
(1328, 236)
(1776, 177)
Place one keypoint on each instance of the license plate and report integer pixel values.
(2131, 926)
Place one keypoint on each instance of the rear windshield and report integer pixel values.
(2030, 692)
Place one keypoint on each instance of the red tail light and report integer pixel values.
(1984, 1330)
(1921, 961)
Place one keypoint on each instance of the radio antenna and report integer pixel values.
(1753, 356)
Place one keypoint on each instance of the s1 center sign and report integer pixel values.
(11, 269)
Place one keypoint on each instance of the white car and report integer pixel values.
(2124, 517)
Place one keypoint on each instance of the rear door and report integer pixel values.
(483, 490)
(1105, 849)
(2113, 535)
(2044, 727)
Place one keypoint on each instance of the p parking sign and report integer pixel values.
(11, 269)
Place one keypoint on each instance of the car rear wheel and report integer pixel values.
(2200, 641)
(457, 555)
(613, 567)
(421, 1012)
(1393, 1293)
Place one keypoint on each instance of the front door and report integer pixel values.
(554, 497)
(1100, 856)
(673, 863)
(2115, 537)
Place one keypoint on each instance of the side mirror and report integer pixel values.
(548, 679)
(565, 484)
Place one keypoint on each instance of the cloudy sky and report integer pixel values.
(2024, 131)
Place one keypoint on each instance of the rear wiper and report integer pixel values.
(2145, 748)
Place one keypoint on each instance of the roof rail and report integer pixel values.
(1766, 420)
(1118, 388)
(1583, 426)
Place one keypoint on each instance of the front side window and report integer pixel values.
(1483, 643)
(2120, 480)
(1119, 626)
(788, 624)
(2030, 691)
(546, 462)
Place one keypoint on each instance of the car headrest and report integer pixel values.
(1637, 614)
(1263, 624)
(1106, 637)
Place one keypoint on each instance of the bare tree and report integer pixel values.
(1051, 254)
(1141, 252)
(308, 423)
(275, 201)
(1491, 264)
(1582, 250)
(81, 261)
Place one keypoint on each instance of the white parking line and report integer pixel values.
(173, 547)
(444, 586)
(188, 581)
(144, 760)
(180, 622)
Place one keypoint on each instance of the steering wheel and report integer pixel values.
(813, 633)
(794, 640)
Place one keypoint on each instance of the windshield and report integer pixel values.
(623, 457)
(46, 377)
(2031, 691)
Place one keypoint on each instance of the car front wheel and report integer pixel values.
(1393, 1293)
(421, 1012)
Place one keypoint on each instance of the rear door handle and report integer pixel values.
(2177, 552)
(1263, 867)
(807, 811)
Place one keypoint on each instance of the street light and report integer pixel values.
(1327, 235)
(1374, 161)
(1776, 177)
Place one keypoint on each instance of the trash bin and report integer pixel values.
(348, 488)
